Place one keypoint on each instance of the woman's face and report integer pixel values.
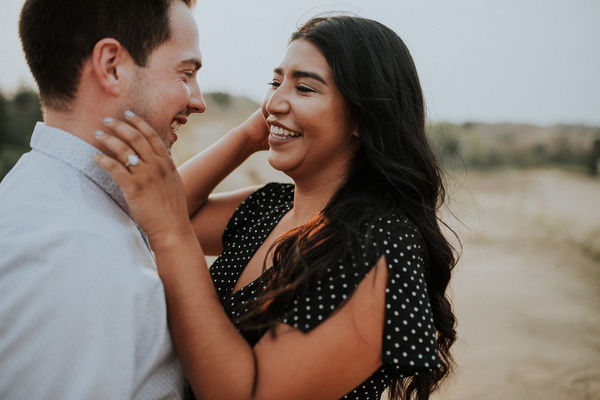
(312, 134)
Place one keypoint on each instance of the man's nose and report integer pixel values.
(197, 103)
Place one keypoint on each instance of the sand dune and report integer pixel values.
(527, 289)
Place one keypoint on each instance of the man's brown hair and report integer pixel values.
(58, 36)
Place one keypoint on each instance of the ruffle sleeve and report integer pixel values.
(408, 335)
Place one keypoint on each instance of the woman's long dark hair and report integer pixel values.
(393, 171)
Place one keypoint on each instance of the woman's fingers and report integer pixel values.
(121, 150)
(126, 135)
(133, 141)
(116, 169)
(150, 134)
(139, 162)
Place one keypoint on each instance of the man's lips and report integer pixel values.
(175, 125)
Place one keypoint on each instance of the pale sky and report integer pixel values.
(520, 61)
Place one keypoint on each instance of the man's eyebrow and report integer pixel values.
(302, 74)
(194, 61)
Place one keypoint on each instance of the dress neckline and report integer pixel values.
(242, 266)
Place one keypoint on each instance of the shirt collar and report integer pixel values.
(78, 154)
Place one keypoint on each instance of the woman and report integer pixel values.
(335, 286)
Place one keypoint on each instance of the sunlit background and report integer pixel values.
(513, 96)
(526, 61)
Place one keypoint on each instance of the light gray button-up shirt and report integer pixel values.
(82, 309)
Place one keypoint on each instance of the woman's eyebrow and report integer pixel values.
(302, 74)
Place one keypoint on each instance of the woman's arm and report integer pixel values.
(218, 361)
(205, 171)
(325, 363)
(201, 174)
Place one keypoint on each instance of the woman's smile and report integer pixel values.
(278, 132)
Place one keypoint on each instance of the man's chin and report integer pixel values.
(166, 141)
(168, 147)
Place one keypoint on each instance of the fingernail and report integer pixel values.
(99, 133)
(129, 114)
(108, 120)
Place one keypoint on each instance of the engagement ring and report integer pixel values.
(132, 160)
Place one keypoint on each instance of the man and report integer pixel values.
(82, 308)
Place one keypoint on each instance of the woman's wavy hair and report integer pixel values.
(394, 170)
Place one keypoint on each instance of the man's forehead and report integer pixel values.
(182, 48)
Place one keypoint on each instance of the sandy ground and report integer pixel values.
(527, 288)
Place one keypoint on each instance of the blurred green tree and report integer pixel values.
(3, 119)
(18, 116)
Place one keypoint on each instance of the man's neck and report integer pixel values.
(77, 123)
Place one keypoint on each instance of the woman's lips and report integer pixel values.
(281, 133)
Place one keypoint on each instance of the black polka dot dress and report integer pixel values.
(409, 345)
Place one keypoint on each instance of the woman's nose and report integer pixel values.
(277, 101)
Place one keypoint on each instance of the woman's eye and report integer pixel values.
(274, 84)
(304, 89)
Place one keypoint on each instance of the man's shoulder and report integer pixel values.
(33, 173)
(45, 196)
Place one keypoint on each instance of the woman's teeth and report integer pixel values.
(282, 133)
(175, 125)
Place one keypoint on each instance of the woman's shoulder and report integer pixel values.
(269, 198)
(277, 188)
(269, 202)
(269, 195)
(388, 225)
(272, 192)
(389, 234)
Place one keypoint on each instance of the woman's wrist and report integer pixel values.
(176, 237)
(254, 133)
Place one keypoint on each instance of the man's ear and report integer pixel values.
(110, 65)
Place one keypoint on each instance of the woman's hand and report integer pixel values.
(256, 132)
(152, 186)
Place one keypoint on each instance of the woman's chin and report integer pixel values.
(277, 162)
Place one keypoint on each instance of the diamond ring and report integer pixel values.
(133, 159)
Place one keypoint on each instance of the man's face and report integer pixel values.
(166, 91)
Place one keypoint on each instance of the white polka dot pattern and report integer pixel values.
(409, 344)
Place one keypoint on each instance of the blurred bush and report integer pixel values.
(497, 146)
(18, 116)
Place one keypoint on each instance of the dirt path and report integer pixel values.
(527, 290)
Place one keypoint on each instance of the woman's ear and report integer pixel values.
(353, 124)
(110, 63)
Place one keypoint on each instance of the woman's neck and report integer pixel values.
(310, 198)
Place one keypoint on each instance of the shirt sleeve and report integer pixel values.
(409, 333)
